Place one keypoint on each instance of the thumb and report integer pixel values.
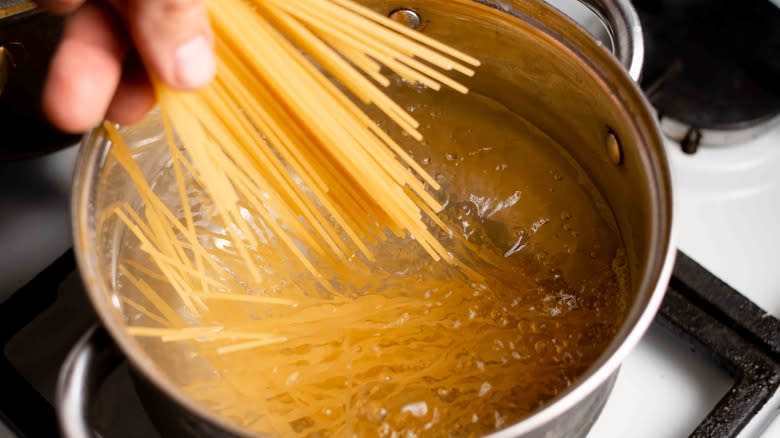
(174, 40)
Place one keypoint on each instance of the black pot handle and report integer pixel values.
(90, 362)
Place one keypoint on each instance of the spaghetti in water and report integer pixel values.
(278, 170)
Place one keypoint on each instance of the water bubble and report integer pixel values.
(523, 326)
(375, 412)
(538, 327)
(416, 409)
(484, 389)
(536, 226)
(500, 420)
(451, 156)
(292, 378)
(540, 347)
(447, 395)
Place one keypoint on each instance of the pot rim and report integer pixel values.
(656, 279)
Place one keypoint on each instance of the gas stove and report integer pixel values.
(708, 367)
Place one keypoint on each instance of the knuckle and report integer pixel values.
(179, 7)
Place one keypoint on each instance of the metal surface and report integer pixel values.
(407, 17)
(692, 137)
(614, 150)
(559, 59)
(626, 30)
(91, 361)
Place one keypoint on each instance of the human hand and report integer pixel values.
(108, 49)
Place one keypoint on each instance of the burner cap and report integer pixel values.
(712, 68)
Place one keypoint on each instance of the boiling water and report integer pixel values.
(407, 346)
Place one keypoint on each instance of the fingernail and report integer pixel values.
(195, 63)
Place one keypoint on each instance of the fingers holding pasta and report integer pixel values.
(91, 75)
(86, 69)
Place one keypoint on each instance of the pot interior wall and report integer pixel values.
(541, 74)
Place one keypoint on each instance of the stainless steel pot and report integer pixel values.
(539, 64)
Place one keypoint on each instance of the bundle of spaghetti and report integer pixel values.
(282, 133)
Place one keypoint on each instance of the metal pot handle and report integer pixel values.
(626, 29)
(90, 362)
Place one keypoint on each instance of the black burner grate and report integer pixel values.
(741, 337)
(723, 324)
(23, 409)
